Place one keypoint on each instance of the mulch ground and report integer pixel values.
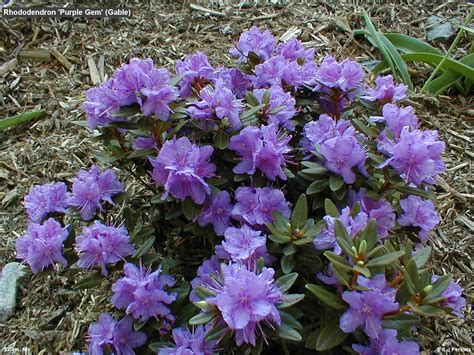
(50, 317)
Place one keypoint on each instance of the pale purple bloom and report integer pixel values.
(43, 200)
(246, 300)
(343, 153)
(261, 149)
(326, 239)
(217, 103)
(234, 80)
(217, 212)
(157, 95)
(142, 292)
(452, 297)
(419, 213)
(189, 342)
(196, 73)
(205, 276)
(41, 246)
(386, 91)
(294, 50)
(416, 156)
(377, 282)
(381, 210)
(101, 102)
(130, 79)
(101, 244)
(395, 118)
(326, 127)
(109, 335)
(145, 143)
(91, 188)
(181, 168)
(387, 344)
(281, 102)
(270, 72)
(254, 40)
(345, 76)
(243, 244)
(255, 206)
(366, 309)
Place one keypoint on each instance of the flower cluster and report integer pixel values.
(46, 199)
(189, 342)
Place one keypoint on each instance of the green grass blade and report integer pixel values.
(444, 81)
(398, 61)
(19, 119)
(407, 44)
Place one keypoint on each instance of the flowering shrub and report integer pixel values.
(286, 204)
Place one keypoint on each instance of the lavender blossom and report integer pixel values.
(281, 102)
(254, 40)
(189, 342)
(387, 344)
(386, 91)
(346, 76)
(234, 80)
(216, 211)
(109, 335)
(196, 73)
(100, 105)
(366, 309)
(452, 297)
(396, 118)
(101, 244)
(205, 276)
(41, 246)
(243, 245)
(255, 206)
(416, 156)
(419, 213)
(142, 292)
(246, 300)
(129, 80)
(157, 95)
(270, 72)
(148, 143)
(181, 167)
(91, 188)
(46, 199)
(294, 50)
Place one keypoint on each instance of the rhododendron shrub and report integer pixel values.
(281, 205)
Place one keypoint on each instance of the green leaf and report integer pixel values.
(447, 79)
(300, 212)
(188, 208)
(251, 99)
(385, 260)
(422, 256)
(439, 286)
(216, 332)
(409, 44)
(288, 333)
(140, 153)
(362, 127)
(426, 310)
(317, 186)
(251, 112)
(290, 300)
(89, 281)
(335, 182)
(287, 263)
(19, 119)
(202, 318)
(330, 337)
(414, 191)
(290, 249)
(145, 247)
(328, 298)
(338, 261)
(412, 277)
(313, 168)
(290, 320)
(400, 321)
(127, 111)
(286, 281)
(203, 292)
(369, 234)
(362, 270)
(330, 208)
(221, 140)
(312, 339)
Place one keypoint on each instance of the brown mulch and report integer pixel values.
(50, 316)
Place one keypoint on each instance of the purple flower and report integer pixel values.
(100, 244)
(205, 276)
(246, 300)
(255, 206)
(294, 50)
(386, 91)
(387, 344)
(345, 76)
(254, 40)
(367, 309)
(416, 156)
(108, 334)
(218, 103)
(158, 95)
(181, 167)
(148, 143)
(326, 239)
(378, 282)
(189, 342)
(380, 210)
(142, 292)
(234, 80)
(42, 244)
(343, 153)
(452, 297)
(101, 102)
(325, 128)
(281, 108)
(419, 213)
(91, 188)
(270, 72)
(243, 245)
(45, 199)
(217, 212)
(196, 73)
(396, 118)
(261, 149)
(130, 79)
